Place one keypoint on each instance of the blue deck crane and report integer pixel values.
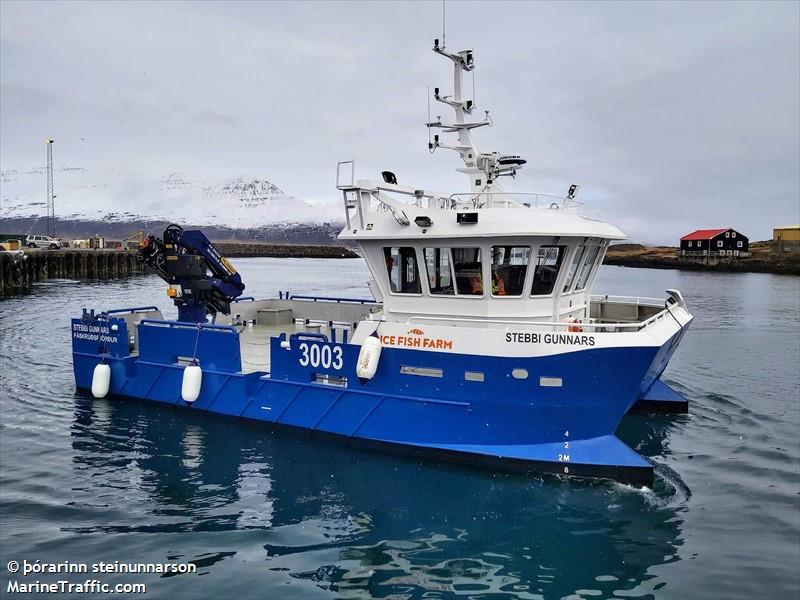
(201, 281)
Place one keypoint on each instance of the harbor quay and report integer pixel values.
(19, 270)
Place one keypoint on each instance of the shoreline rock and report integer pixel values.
(253, 250)
(764, 259)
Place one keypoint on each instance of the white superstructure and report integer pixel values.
(487, 253)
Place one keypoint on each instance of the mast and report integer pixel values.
(482, 169)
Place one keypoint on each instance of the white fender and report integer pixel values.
(101, 380)
(368, 358)
(192, 378)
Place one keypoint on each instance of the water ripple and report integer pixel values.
(282, 514)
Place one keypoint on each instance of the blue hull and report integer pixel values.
(513, 423)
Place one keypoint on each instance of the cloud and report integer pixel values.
(672, 116)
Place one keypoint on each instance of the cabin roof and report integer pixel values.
(492, 223)
(704, 234)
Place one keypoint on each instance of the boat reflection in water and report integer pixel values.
(289, 511)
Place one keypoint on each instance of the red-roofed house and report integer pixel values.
(714, 242)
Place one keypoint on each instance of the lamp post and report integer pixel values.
(51, 213)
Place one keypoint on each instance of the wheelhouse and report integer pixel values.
(502, 262)
(538, 277)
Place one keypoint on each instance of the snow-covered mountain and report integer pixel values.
(116, 196)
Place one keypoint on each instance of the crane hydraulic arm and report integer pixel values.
(201, 281)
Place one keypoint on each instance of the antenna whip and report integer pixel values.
(444, 22)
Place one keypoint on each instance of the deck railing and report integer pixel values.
(634, 300)
(592, 324)
(477, 200)
(334, 299)
(594, 327)
(368, 196)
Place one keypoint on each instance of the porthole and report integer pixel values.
(519, 373)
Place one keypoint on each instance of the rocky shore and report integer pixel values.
(764, 259)
(247, 250)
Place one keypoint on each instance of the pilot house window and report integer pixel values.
(588, 263)
(509, 267)
(548, 264)
(401, 268)
(440, 276)
(468, 272)
(573, 268)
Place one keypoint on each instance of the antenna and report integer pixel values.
(486, 165)
(444, 21)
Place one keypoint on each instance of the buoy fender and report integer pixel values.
(192, 380)
(101, 380)
(368, 358)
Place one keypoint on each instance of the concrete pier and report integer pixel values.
(19, 271)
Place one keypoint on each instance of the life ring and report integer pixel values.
(573, 328)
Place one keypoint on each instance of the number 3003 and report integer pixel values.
(327, 357)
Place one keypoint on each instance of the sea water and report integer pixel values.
(277, 514)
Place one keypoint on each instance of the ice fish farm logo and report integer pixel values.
(415, 338)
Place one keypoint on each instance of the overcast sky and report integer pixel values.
(671, 116)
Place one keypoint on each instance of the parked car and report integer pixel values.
(42, 241)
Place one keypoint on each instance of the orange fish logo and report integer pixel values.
(416, 331)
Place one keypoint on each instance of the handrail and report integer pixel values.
(339, 166)
(637, 300)
(504, 193)
(243, 298)
(450, 202)
(474, 197)
(333, 299)
(185, 325)
(128, 310)
(543, 324)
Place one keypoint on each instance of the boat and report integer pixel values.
(482, 343)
